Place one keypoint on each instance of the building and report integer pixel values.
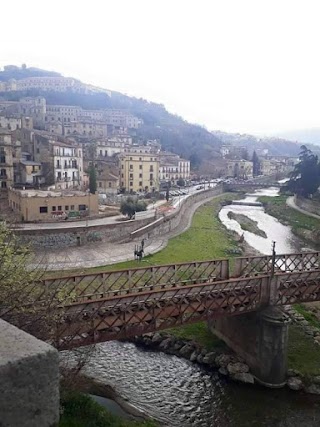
(10, 155)
(86, 128)
(36, 205)
(139, 170)
(172, 168)
(67, 165)
(107, 179)
(242, 169)
(29, 172)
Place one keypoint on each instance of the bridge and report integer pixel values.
(237, 297)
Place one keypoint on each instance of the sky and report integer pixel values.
(248, 66)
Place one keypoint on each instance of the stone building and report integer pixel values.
(36, 205)
(242, 169)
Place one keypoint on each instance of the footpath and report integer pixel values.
(290, 202)
(105, 253)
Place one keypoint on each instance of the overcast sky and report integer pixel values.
(235, 65)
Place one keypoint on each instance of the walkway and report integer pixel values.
(290, 202)
(105, 253)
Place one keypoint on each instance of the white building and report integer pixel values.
(68, 166)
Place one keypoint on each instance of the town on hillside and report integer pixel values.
(47, 151)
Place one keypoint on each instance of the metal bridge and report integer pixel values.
(120, 304)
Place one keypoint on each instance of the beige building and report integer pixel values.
(139, 170)
(272, 167)
(36, 205)
(240, 169)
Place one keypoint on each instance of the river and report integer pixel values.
(179, 393)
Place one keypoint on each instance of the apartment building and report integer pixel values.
(67, 165)
(139, 170)
(10, 154)
(172, 168)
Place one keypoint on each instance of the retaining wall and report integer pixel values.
(117, 232)
(29, 380)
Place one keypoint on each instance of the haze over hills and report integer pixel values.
(304, 136)
(190, 141)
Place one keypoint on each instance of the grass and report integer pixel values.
(308, 315)
(80, 410)
(301, 224)
(303, 354)
(206, 239)
(199, 332)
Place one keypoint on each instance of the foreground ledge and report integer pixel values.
(29, 380)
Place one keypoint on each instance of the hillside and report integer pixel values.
(303, 136)
(275, 146)
(190, 141)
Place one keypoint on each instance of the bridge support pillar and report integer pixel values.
(261, 338)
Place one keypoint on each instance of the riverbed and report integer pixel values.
(179, 393)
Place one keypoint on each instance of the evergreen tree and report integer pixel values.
(305, 178)
(256, 164)
(92, 179)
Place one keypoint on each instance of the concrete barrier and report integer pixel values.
(29, 380)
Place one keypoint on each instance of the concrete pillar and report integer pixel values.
(261, 338)
(29, 380)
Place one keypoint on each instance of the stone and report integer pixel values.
(157, 338)
(304, 322)
(295, 383)
(194, 356)
(223, 360)
(186, 351)
(316, 380)
(165, 344)
(209, 359)
(313, 389)
(293, 373)
(237, 368)
(223, 371)
(244, 377)
(200, 358)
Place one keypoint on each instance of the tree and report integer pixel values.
(305, 178)
(24, 300)
(256, 164)
(167, 194)
(92, 179)
(130, 206)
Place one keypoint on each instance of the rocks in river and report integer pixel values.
(244, 377)
(165, 344)
(316, 380)
(223, 371)
(295, 383)
(186, 351)
(157, 338)
(237, 368)
(209, 359)
(293, 373)
(313, 389)
(223, 360)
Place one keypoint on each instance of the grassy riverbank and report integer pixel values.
(80, 410)
(302, 225)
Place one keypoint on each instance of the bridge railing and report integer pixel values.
(267, 264)
(123, 282)
(123, 316)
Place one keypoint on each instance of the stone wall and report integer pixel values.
(117, 232)
(78, 236)
(29, 380)
(171, 221)
(308, 205)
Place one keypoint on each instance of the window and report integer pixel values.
(140, 166)
(130, 158)
(59, 208)
(151, 168)
(140, 175)
(72, 207)
(53, 208)
(151, 176)
(82, 207)
(43, 209)
(131, 184)
(109, 184)
(140, 183)
(131, 167)
(100, 184)
(131, 176)
(122, 175)
(66, 208)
